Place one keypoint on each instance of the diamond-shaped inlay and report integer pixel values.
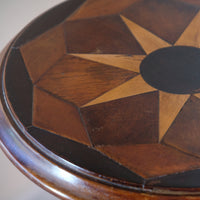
(123, 121)
(101, 35)
(167, 19)
(43, 52)
(80, 81)
(58, 116)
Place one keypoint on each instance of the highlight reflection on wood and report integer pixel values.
(107, 91)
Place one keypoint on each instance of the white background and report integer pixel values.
(14, 15)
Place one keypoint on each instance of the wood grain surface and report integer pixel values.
(99, 99)
(58, 116)
(107, 124)
(168, 112)
(166, 19)
(132, 87)
(191, 35)
(131, 62)
(47, 20)
(147, 40)
(43, 52)
(184, 132)
(105, 7)
(101, 35)
(152, 159)
(80, 81)
(78, 153)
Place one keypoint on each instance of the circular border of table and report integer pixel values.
(58, 176)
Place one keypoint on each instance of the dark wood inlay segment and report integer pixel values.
(188, 179)
(19, 87)
(80, 81)
(151, 160)
(191, 35)
(105, 7)
(124, 121)
(178, 64)
(48, 20)
(83, 156)
(169, 107)
(193, 2)
(58, 116)
(101, 35)
(166, 19)
(184, 133)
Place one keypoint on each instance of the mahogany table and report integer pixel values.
(100, 99)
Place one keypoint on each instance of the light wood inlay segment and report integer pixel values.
(132, 87)
(147, 40)
(197, 95)
(80, 81)
(170, 106)
(191, 35)
(122, 61)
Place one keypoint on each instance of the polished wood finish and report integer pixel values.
(48, 20)
(104, 121)
(166, 70)
(148, 41)
(102, 101)
(109, 36)
(197, 95)
(58, 116)
(166, 19)
(19, 88)
(192, 2)
(44, 52)
(131, 63)
(191, 35)
(130, 88)
(80, 81)
(109, 7)
(149, 159)
(78, 153)
(186, 138)
(168, 112)
(177, 180)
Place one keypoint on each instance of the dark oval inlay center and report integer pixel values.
(173, 69)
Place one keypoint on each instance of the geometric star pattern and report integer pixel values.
(91, 79)
(117, 38)
(88, 90)
(169, 20)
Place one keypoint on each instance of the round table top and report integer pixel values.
(107, 91)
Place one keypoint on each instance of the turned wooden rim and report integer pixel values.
(55, 174)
